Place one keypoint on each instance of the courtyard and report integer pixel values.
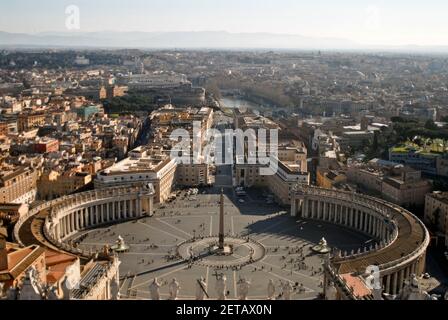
(268, 244)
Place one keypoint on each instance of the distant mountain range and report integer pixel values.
(191, 40)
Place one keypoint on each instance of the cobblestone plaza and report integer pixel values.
(268, 244)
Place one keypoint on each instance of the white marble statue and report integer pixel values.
(243, 288)
(323, 242)
(271, 290)
(221, 287)
(414, 281)
(287, 288)
(66, 287)
(154, 290)
(120, 241)
(53, 293)
(201, 288)
(413, 291)
(31, 288)
(174, 289)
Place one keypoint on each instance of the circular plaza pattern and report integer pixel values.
(203, 252)
(262, 241)
(161, 246)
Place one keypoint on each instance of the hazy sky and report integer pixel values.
(388, 22)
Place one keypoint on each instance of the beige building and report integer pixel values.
(369, 179)
(406, 190)
(169, 118)
(292, 168)
(283, 182)
(192, 175)
(436, 213)
(280, 184)
(53, 185)
(401, 185)
(27, 121)
(11, 212)
(144, 165)
(153, 164)
(18, 186)
(327, 178)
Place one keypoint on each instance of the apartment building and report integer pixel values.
(192, 175)
(436, 213)
(18, 185)
(401, 185)
(144, 165)
(53, 184)
(292, 169)
(26, 121)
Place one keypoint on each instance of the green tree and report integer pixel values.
(430, 125)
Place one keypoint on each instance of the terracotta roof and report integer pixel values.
(357, 284)
(57, 264)
(55, 273)
(20, 260)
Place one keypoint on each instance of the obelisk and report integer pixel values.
(221, 222)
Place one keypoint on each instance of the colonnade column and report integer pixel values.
(326, 212)
(352, 217)
(125, 209)
(319, 206)
(387, 288)
(139, 207)
(293, 207)
(400, 280)
(394, 283)
(101, 214)
(81, 218)
(345, 215)
(131, 208)
(313, 205)
(151, 205)
(305, 208)
(76, 215)
(97, 214)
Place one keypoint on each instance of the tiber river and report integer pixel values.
(232, 103)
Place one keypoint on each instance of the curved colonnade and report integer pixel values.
(399, 238)
(68, 215)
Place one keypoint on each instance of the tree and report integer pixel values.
(213, 88)
(430, 125)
